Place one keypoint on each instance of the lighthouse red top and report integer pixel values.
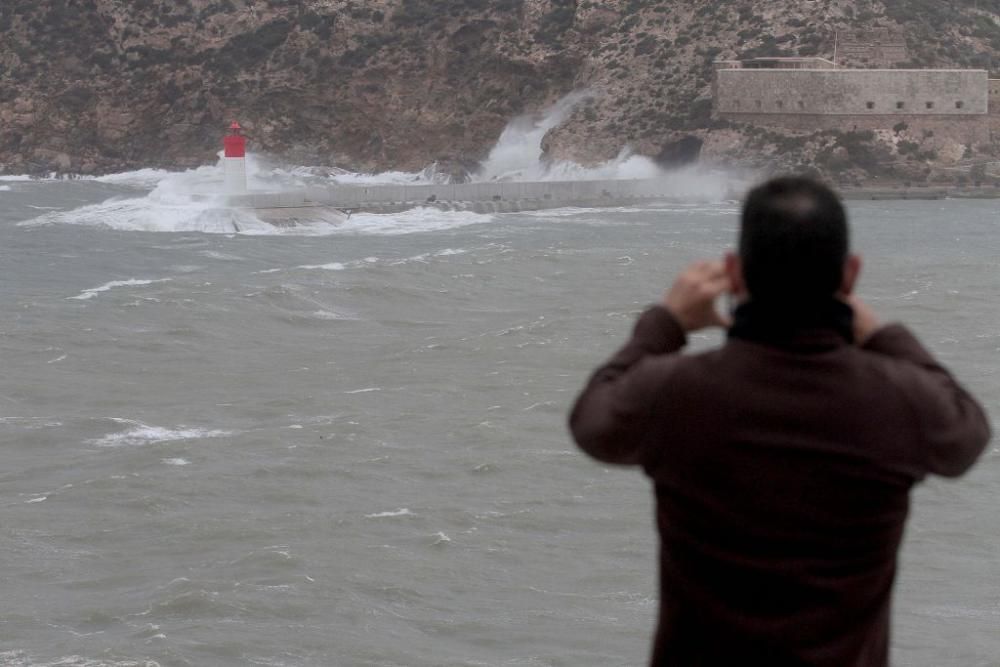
(235, 143)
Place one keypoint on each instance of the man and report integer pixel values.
(782, 461)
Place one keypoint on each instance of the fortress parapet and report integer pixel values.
(776, 63)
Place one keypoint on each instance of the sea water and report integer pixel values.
(346, 444)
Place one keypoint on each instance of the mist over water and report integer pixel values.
(518, 156)
(518, 153)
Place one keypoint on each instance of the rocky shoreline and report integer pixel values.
(106, 86)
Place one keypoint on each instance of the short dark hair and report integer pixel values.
(793, 242)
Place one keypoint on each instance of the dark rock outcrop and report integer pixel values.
(680, 153)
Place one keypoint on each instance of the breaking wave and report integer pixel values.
(94, 291)
(137, 434)
(518, 153)
(414, 221)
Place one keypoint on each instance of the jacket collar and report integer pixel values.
(825, 326)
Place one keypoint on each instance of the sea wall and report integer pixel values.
(360, 197)
(994, 94)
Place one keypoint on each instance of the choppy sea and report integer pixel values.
(345, 444)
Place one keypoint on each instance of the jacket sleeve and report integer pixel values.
(953, 426)
(610, 418)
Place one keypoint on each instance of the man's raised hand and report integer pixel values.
(692, 297)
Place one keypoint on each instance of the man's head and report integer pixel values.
(793, 249)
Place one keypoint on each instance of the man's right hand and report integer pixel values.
(692, 297)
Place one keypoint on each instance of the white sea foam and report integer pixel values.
(141, 178)
(16, 178)
(414, 221)
(328, 315)
(137, 434)
(5, 188)
(428, 176)
(23, 659)
(177, 462)
(384, 515)
(427, 256)
(203, 180)
(187, 201)
(225, 256)
(720, 209)
(94, 291)
(332, 266)
(192, 201)
(572, 211)
(263, 176)
(151, 214)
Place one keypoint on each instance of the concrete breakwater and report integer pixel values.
(497, 196)
(925, 192)
(336, 202)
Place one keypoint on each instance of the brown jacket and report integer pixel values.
(782, 467)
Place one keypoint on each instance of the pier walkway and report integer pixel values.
(498, 196)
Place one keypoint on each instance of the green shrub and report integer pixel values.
(554, 24)
(646, 46)
(249, 49)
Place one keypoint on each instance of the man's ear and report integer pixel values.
(852, 269)
(734, 271)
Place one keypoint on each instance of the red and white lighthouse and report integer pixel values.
(234, 163)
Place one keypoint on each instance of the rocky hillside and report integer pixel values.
(101, 85)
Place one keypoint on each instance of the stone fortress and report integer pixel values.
(810, 94)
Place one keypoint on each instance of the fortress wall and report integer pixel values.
(994, 95)
(952, 93)
(966, 129)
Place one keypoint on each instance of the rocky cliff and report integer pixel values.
(100, 85)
